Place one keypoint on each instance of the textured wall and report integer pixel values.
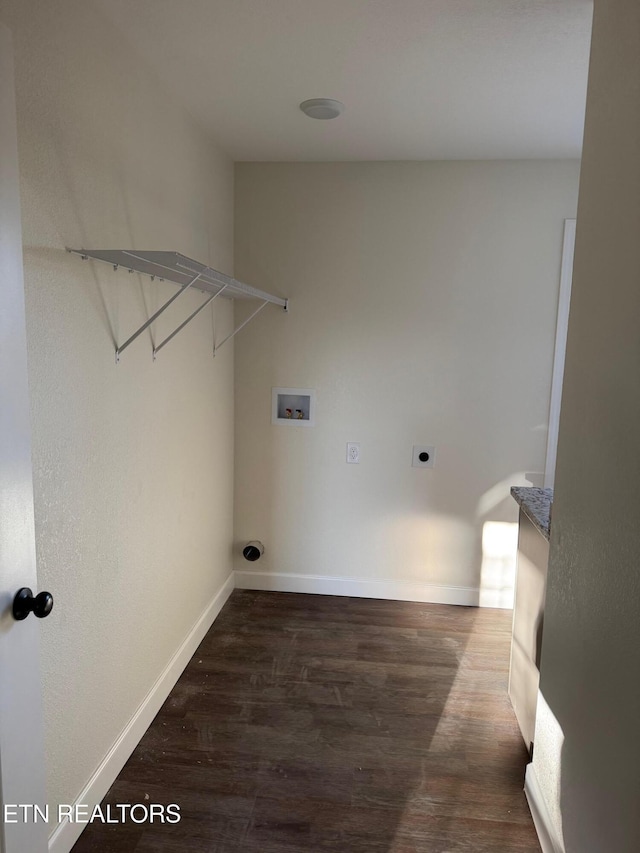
(132, 464)
(591, 644)
(423, 310)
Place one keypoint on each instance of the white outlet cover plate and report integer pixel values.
(353, 453)
(423, 448)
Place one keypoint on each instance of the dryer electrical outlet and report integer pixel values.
(424, 456)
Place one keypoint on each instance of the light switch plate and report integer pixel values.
(422, 450)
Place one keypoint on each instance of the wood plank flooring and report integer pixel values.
(316, 723)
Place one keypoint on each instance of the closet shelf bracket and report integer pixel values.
(209, 299)
(120, 349)
(216, 347)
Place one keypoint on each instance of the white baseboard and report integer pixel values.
(359, 587)
(66, 833)
(549, 841)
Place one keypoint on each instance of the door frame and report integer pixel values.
(562, 327)
(22, 756)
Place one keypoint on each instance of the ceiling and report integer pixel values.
(421, 79)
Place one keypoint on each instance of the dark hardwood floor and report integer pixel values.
(314, 723)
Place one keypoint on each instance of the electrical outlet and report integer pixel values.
(353, 452)
(423, 456)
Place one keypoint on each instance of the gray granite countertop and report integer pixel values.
(536, 504)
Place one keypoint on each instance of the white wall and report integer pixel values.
(132, 464)
(423, 310)
(586, 758)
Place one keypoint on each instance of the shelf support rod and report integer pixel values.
(241, 326)
(155, 316)
(157, 349)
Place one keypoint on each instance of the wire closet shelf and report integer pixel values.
(188, 274)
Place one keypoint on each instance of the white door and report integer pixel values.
(22, 776)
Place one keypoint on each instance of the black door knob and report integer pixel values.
(24, 603)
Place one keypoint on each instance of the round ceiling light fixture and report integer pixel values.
(322, 108)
